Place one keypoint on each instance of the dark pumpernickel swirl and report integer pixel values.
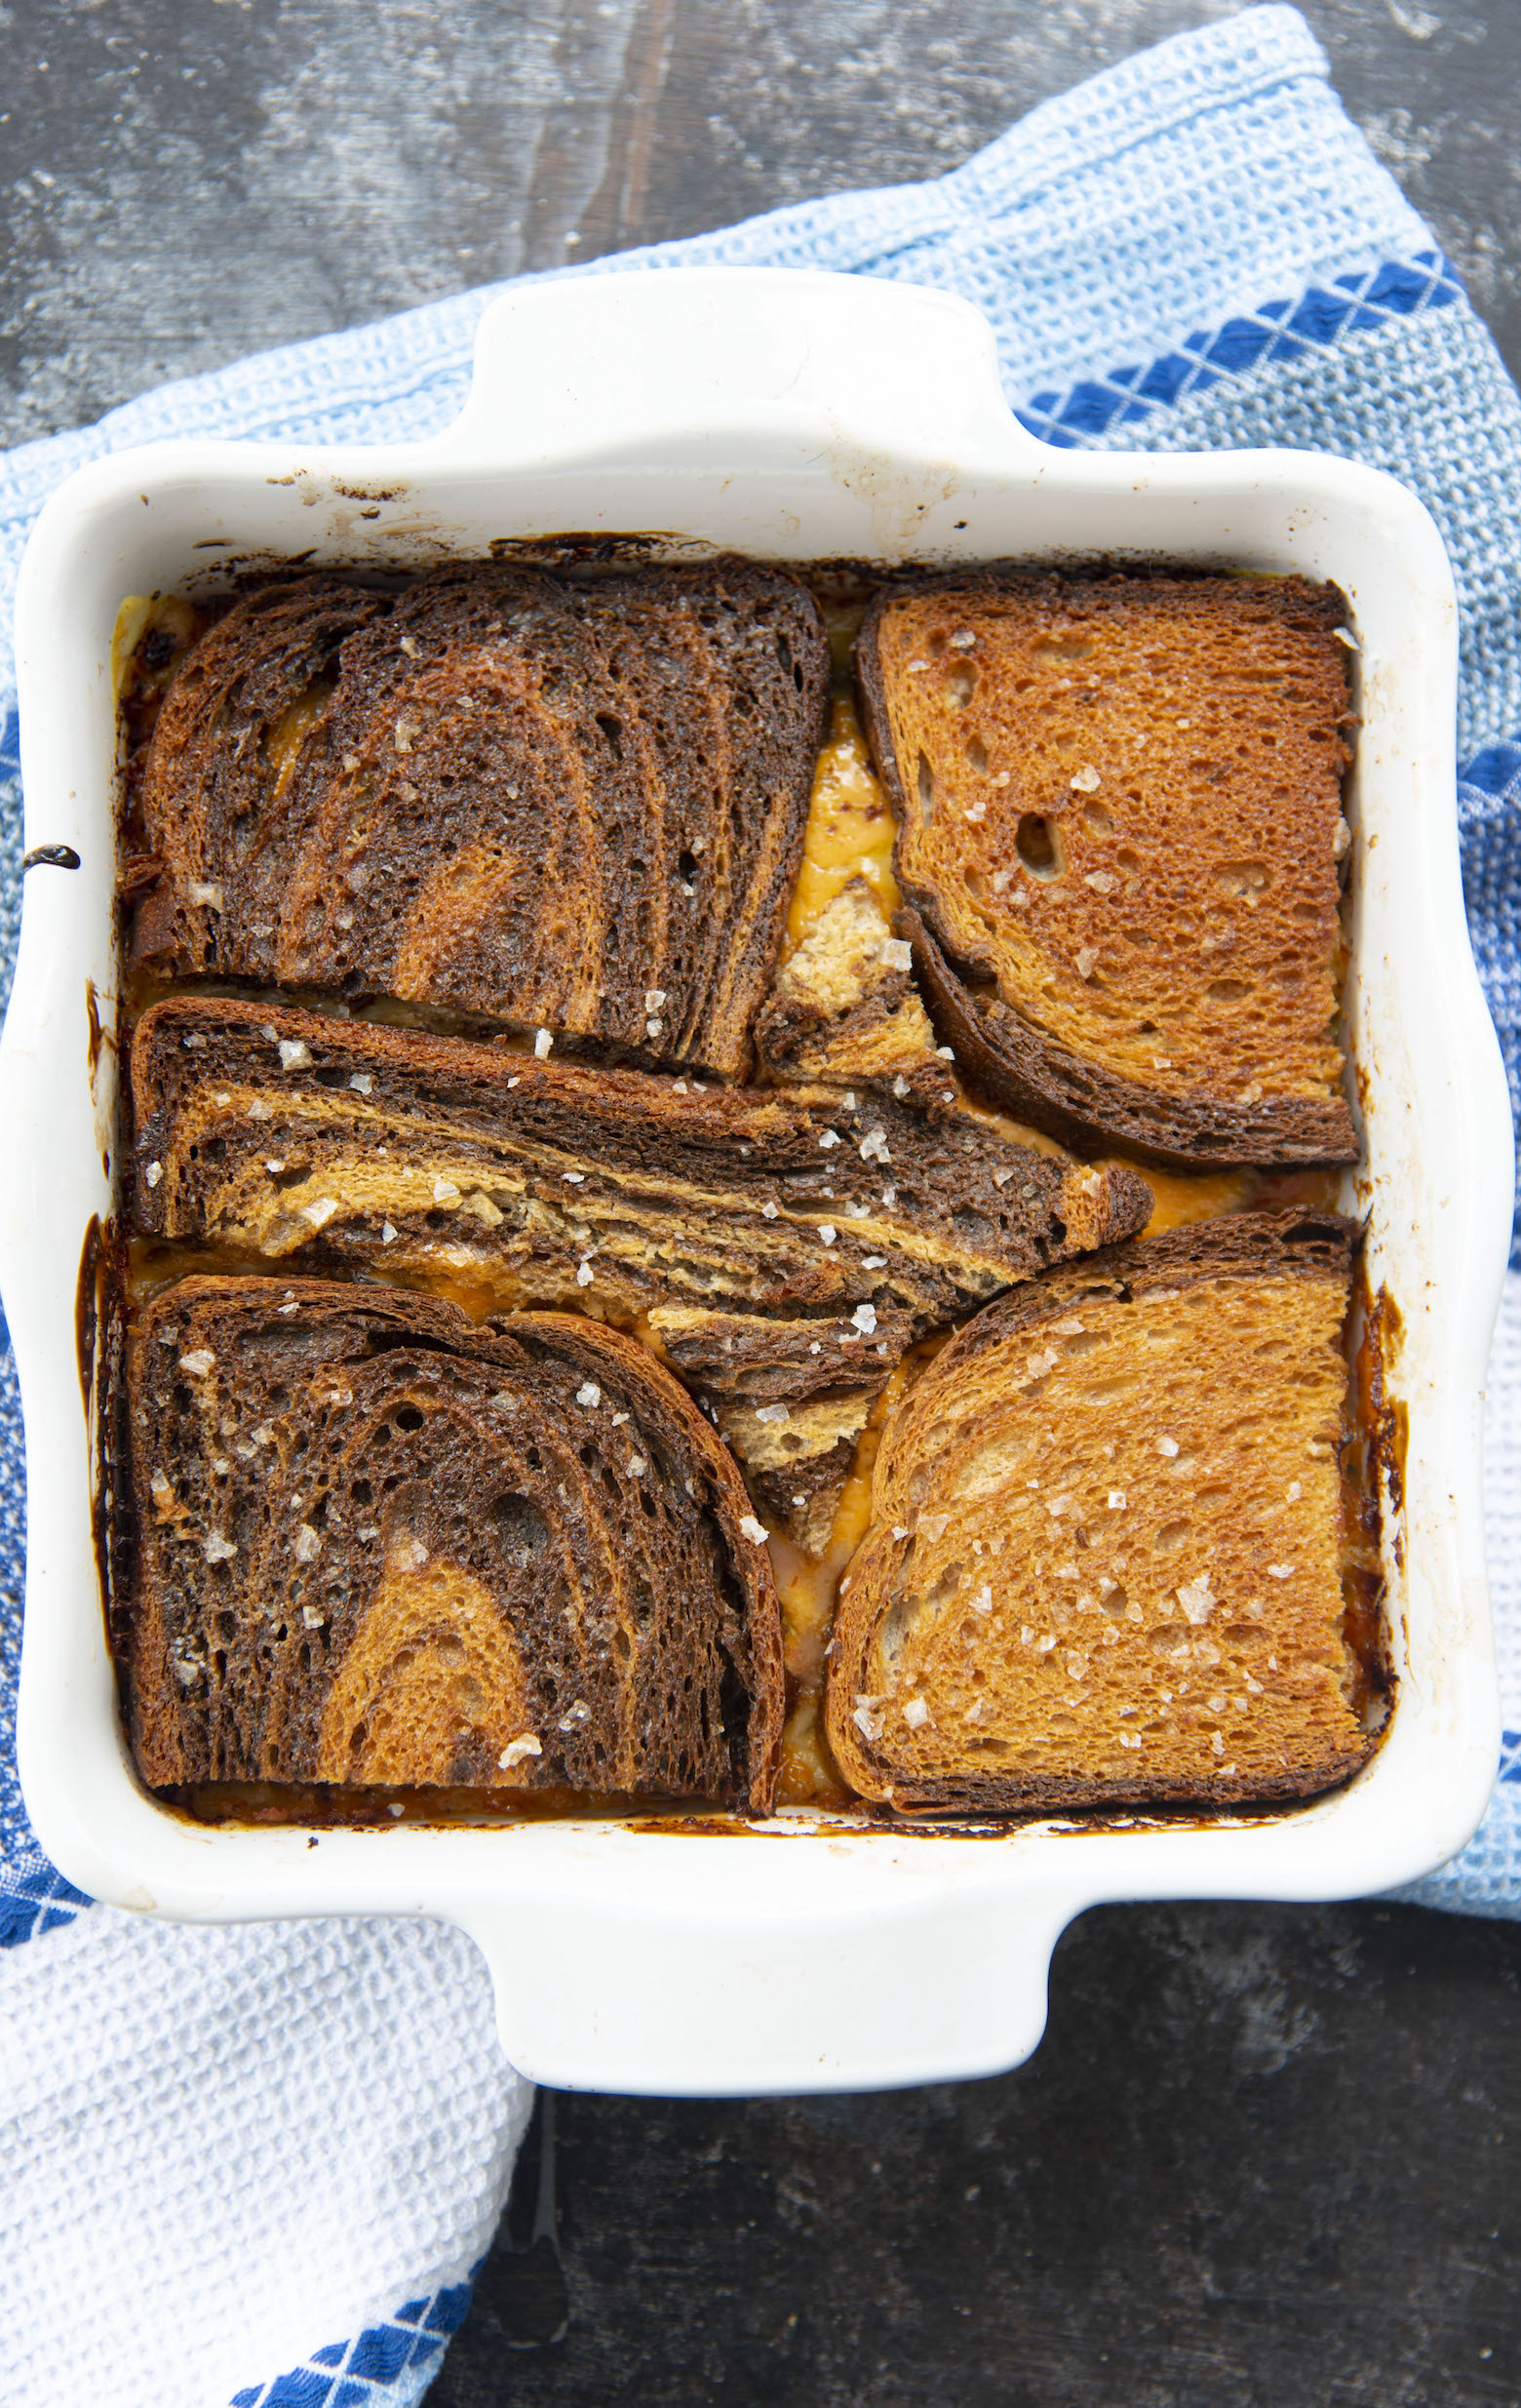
(502, 794)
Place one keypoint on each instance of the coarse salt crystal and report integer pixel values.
(197, 1363)
(1087, 960)
(588, 1393)
(1167, 1446)
(828, 1232)
(576, 1178)
(1102, 881)
(654, 997)
(445, 1191)
(895, 953)
(1294, 1491)
(1280, 1572)
(1198, 1600)
(1130, 1739)
(768, 1211)
(360, 1082)
(652, 1028)
(308, 1544)
(772, 1412)
(756, 1531)
(388, 1233)
(404, 731)
(982, 1603)
(932, 1526)
(294, 1053)
(1344, 635)
(916, 1713)
(583, 1275)
(1086, 781)
(207, 893)
(311, 1615)
(541, 1044)
(517, 1751)
(865, 1320)
(1116, 1500)
(637, 1467)
(153, 1173)
(944, 1054)
(828, 1138)
(216, 1549)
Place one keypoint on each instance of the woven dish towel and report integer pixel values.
(257, 2165)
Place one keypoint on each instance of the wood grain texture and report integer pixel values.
(186, 185)
(1262, 2159)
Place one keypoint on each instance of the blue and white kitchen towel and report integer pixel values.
(257, 2165)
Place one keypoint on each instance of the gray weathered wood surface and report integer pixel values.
(191, 179)
(1264, 2158)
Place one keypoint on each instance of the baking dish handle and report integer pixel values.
(579, 364)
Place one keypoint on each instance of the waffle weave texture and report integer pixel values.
(257, 2165)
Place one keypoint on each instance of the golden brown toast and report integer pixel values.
(1120, 825)
(1108, 1541)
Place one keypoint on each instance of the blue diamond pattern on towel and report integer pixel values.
(387, 2366)
(1275, 330)
(1161, 271)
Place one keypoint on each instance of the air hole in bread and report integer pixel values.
(1039, 844)
(1099, 818)
(1242, 878)
(960, 684)
(977, 754)
(926, 787)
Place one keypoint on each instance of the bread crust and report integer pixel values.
(502, 793)
(714, 1199)
(1077, 1099)
(1311, 1247)
(297, 1583)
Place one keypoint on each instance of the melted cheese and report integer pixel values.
(851, 829)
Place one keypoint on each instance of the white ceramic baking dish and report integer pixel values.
(791, 417)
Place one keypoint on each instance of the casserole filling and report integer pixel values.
(774, 1173)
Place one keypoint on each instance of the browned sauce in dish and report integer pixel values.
(847, 865)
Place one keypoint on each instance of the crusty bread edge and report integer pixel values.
(1310, 1245)
(599, 1348)
(1020, 1066)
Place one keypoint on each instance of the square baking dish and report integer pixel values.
(794, 417)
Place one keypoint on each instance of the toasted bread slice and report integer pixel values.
(782, 1249)
(310, 1140)
(502, 793)
(379, 1544)
(843, 1009)
(1107, 1542)
(1120, 823)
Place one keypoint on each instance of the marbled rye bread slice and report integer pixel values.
(378, 1543)
(503, 794)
